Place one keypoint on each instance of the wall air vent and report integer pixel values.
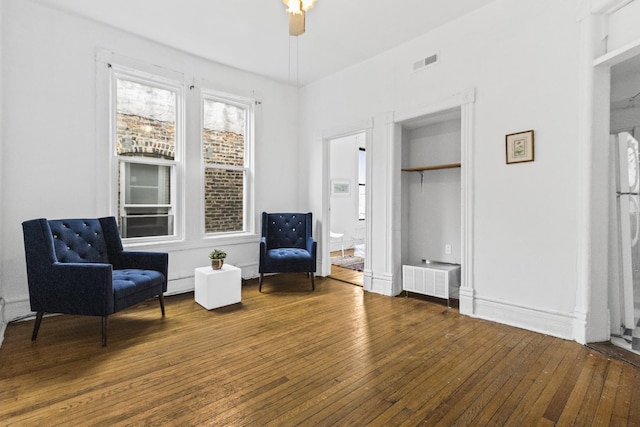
(425, 62)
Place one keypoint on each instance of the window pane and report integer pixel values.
(145, 200)
(146, 120)
(224, 200)
(223, 133)
(147, 184)
(145, 128)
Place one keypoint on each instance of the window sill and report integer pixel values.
(204, 242)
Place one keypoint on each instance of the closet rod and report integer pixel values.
(431, 168)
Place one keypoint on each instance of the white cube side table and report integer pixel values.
(217, 288)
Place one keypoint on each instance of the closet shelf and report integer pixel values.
(432, 168)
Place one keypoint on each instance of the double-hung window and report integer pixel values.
(147, 131)
(226, 148)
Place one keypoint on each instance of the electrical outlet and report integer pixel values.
(447, 249)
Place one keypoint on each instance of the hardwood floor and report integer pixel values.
(291, 356)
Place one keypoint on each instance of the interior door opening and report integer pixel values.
(431, 215)
(347, 213)
(624, 205)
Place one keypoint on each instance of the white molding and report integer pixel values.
(2, 133)
(362, 126)
(467, 96)
(584, 159)
(598, 7)
(181, 285)
(607, 7)
(347, 129)
(547, 322)
(464, 100)
(367, 280)
(392, 174)
(580, 325)
(466, 300)
(3, 324)
(325, 256)
(468, 206)
(382, 284)
(618, 55)
(16, 308)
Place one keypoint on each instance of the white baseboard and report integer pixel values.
(3, 324)
(380, 284)
(466, 301)
(14, 309)
(17, 308)
(184, 284)
(547, 322)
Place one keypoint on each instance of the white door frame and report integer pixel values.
(591, 313)
(466, 102)
(363, 127)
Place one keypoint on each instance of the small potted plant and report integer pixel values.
(217, 257)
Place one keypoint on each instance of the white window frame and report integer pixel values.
(360, 184)
(248, 167)
(177, 164)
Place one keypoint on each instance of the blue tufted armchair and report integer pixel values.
(286, 245)
(78, 266)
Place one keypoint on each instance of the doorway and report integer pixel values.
(347, 207)
(431, 193)
(624, 205)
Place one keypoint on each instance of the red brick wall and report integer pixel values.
(224, 189)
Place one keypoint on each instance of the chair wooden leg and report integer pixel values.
(104, 330)
(161, 299)
(260, 282)
(36, 326)
(313, 282)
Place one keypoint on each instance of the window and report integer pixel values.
(146, 112)
(159, 182)
(225, 154)
(362, 162)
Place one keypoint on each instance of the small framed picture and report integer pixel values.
(520, 147)
(340, 187)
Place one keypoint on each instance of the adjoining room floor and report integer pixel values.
(353, 277)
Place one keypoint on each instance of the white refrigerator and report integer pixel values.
(627, 196)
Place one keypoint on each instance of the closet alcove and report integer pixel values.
(431, 204)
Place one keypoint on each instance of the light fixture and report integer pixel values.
(297, 9)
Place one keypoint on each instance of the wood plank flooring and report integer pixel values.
(291, 356)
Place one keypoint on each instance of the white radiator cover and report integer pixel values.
(437, 280)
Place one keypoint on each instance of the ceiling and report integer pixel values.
(253, 35)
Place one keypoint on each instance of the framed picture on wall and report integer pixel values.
(340, 187)
(520, 147)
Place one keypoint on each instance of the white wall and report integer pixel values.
(53, 149)
(431, 199)
(344, 208)
(522, 61)
(2, 303)
(623, 27)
